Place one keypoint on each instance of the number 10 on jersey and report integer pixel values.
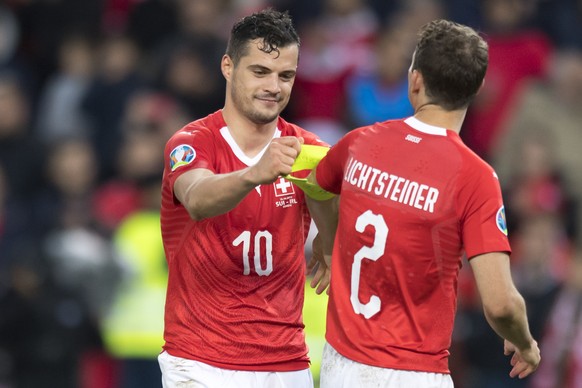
(261, 237)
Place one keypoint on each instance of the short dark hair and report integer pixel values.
(274, 28)
(452, 59)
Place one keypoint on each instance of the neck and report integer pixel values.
(250, 136)
(435, 115)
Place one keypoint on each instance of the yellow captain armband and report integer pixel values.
(308, 159)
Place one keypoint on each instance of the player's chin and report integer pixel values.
(265, 116)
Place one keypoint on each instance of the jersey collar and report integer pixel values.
(239, 153)
(425, 128)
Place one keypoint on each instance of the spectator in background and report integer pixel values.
(542, 253)
(382, 93)
(548, 117)
(61, 284)
(148, 121)
(118, 77)
(543, 212)
(562, 20)
(59, 111)
(562, 340)
(540, 212)
(185, 62)
(10, 43)
(15, 222)
(153, 111)
(150, 23)
(74, 240)
(517, 53)
(20, 153)
(44, 25)
(189, 75)
(542, 256)
(379, 92)
(132, 328)
(198, 22)
(334, 45)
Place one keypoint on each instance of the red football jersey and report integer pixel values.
(413, 198)
(236, 281)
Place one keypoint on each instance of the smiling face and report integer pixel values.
(259, 85)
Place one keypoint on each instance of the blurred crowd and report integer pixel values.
(90, 90)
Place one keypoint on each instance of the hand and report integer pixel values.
(322, 265)
(524, 362)
(277, 159)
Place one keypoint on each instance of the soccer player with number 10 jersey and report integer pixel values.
(234, 230)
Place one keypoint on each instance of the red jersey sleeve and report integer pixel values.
(483, 222)
(330, 170)
(188, 149)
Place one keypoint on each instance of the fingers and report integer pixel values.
(277, 160)
(291, 142)
(321, 279)
(283, 151)
(523, 363)
(311, 264)
(316, 277)
(521, 370)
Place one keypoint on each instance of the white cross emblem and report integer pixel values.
(283, 187)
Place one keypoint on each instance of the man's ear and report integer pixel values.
(226, 66)
(416, 82)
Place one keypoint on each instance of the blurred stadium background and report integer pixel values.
(90, 90)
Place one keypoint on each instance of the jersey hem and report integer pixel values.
(396, 366)
(282, 366)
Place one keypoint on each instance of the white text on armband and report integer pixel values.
(392, 187)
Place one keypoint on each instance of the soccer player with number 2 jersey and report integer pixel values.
(234, 230)
(413, 200)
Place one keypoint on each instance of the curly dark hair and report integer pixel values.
(452, 59)
(274, 28)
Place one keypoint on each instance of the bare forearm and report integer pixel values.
(503, 305)
(213, 195)
(511, 324)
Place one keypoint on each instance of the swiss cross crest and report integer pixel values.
(283, 188)
(284, 193)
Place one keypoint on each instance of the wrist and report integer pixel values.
(248, 178)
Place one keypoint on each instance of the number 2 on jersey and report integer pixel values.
(245, 239)
(371, 253)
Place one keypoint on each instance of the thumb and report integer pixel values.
(301, 140)
(508, 348)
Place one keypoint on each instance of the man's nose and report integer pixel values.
(273, 84)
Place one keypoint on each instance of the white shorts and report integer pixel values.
(338, 371)
(183, 373)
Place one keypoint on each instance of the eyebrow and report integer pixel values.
(269, 70)
(259, 67)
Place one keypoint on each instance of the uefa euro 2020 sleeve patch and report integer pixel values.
(181, 155)
(501, 220)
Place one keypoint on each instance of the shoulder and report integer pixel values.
(470, 160)
(198, 130)
(290, 129)
(384, 128)
(476, 175)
